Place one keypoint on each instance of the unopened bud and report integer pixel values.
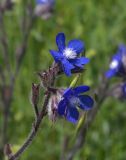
(6, 93)
(53, 104)
(44, 8)
(47, 77)
(118, 91)
(35, 97)
(9, 4)
(8, 151)
(35, 93)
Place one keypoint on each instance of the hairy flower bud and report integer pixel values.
(9, 4)
(35, 96)
(35, 93)
(118, 91)
(8, 151)
(53, 103)
(44, 8)
(6, 94)
(47, 77)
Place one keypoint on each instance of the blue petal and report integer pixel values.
(79, 62)
(42, 1)
(86, 102)
(117, 57)
(110, 73)
(67, 67)
(124, 90)
(51, 2)
(122, 48)
(72, 114)
(68, 92)
(62, 107)
(76, 45)
(56, 55)
(81, 89)
(60, 41)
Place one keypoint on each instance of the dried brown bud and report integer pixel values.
(35, 97)
(118, 91)
(8, 151)
(47, 77)
(9, 4)
(6, 93)
(53, 103)
(35, 93)
(44, 11)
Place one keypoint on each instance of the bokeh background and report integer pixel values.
(101, 24)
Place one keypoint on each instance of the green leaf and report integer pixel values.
(81, 122)
(74, 81)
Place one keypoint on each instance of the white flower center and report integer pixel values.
(74, 101)
(114, 64)
(69, 53)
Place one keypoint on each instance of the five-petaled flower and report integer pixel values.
(73, 99)
(118, 63)
(67, 56)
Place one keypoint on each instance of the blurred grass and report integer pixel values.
(101, 25)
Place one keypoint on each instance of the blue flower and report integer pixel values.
(118, 63)
(72, 99)
(67, 56)
(44, 1)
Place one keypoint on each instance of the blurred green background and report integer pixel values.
(101, 24)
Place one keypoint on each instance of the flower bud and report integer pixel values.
(118, 91)
(53, 104)
(35, 93)
(47, 77)
(35, 98)
(44, 8)
(8, 151)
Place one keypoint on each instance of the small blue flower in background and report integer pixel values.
(67, 56)
(44, 8)
(72, 99)
(44, 1)
(118, 64)
(124, 90)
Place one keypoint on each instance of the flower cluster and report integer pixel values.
(71, 100)
(67, 56)
(118, 63)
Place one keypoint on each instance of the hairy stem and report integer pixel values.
(37, 121)
(34, 130)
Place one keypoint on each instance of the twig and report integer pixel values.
(4, 43)
(7, 104)
(37, 121)
(2, 75)
(34, 130)
(21, 51)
